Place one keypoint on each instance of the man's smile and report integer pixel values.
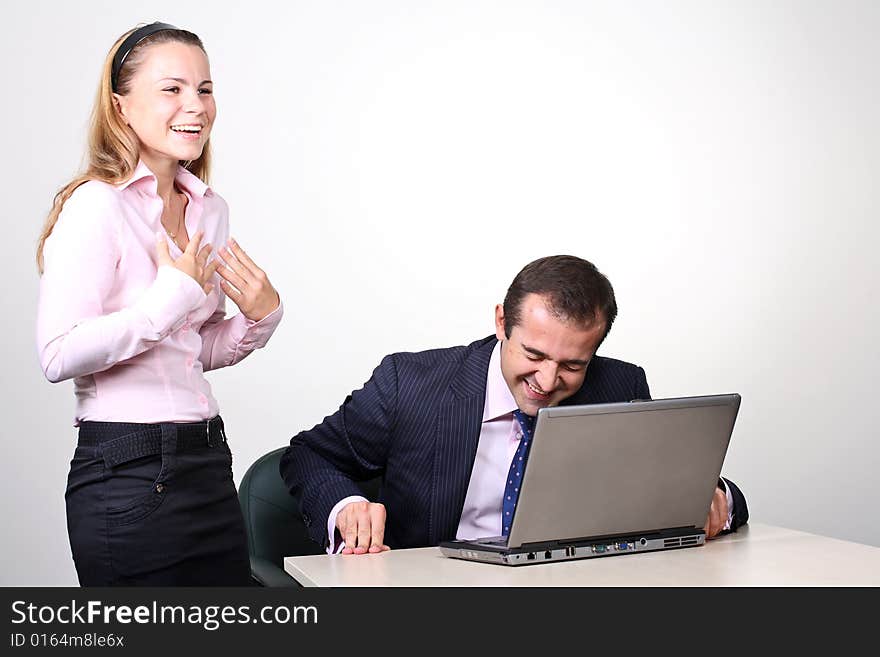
(534, 392)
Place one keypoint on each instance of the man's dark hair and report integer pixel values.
(573, 290)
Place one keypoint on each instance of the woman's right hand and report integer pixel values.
(192, 261)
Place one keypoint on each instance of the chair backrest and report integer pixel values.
(272, 515)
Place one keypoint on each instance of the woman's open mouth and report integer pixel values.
(188, 131)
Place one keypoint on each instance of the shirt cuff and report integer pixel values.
(335, 545)
(168, 300)
(258, 333)
(729, 522)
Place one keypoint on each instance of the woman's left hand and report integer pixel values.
(246, 284)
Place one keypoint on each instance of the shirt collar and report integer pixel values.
(191, 183)
(499, 399)
(184, 179)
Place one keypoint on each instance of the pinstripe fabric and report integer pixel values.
(416, 423)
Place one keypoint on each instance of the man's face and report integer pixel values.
(545, 359)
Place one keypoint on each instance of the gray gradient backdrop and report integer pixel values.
(393, 164)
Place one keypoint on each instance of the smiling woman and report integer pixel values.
(131, 308)
(165, 96)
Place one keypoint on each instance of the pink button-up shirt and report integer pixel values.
(135, 338)
(499, 439)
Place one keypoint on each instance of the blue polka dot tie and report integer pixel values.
(514, 475)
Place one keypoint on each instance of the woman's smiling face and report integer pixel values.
(170, 104)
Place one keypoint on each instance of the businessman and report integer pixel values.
(443, 427)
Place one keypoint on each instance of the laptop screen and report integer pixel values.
(617, 469)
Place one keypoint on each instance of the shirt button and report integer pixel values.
(203, 400)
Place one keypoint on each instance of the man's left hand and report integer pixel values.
(717, 514)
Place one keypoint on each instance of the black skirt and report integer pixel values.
(155, 505)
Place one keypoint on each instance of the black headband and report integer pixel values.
(130, 42)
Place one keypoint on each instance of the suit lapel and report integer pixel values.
(458, 431)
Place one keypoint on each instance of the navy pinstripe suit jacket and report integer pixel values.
(416, 424)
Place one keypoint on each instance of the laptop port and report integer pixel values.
(531, 556)
(598, 549)
(623, 545)
(548, 554)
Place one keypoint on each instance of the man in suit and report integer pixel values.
(441, 427)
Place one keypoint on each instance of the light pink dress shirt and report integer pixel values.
(499, 439)
(135, 338)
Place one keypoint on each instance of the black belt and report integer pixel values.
(125, 441)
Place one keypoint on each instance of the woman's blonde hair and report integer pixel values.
(113, 145)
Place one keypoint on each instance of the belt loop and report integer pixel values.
(208, 432)
(169, 451)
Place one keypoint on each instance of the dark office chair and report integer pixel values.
(273, 520)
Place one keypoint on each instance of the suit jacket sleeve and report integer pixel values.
(740, 509)
(642, 391)
(322, 465)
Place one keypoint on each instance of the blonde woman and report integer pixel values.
(135, 258)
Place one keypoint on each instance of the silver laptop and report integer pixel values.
(608, 479)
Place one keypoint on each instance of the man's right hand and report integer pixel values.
(362, 527)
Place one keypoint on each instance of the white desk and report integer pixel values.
(757, 555)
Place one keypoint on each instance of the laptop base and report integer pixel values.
(494, 550)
